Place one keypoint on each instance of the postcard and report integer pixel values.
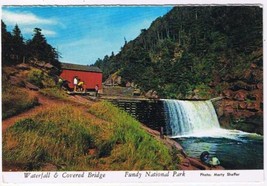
(119, 93)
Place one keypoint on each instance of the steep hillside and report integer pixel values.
(200, 53)
(45, 129)
(62, 132)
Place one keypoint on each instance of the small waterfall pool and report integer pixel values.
(195, 126)
(236, 150)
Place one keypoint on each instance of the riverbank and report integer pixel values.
(186, 162)
(69, 132)
(113, 139)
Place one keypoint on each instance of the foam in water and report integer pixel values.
(188, 117)
(197, 119)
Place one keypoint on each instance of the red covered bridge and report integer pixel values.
(90, 75)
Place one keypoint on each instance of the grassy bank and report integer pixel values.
(54, 92)
(100, 138)
(16, 100)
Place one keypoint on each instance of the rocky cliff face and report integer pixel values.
(242, 106)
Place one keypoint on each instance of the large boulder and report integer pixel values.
(48, 66)
(16, 81)
(152, 94)
(136, 92)
(23, 66)
(31, 86)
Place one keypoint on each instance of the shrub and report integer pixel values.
(35, 76)
(204, 91)
(48, 81)
(40, 78)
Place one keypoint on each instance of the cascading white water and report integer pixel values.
(189, 117)
(197, 122)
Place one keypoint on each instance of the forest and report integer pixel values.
(16, 50)
(190, 49)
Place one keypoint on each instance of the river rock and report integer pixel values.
(228, 93)
(241, 115)
(155, 95)
(242, 105)
(201, 166)
(240, 95)
(253, 106)
(137, 92)
(228, 109)
(185, 162)
(255, 95)
(219, 111)
(151, 94)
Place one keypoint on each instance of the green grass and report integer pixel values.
(136, 150)
(16, 100)
(57, 136)
(64, 136)
(35, 76)
(54, 92)
(40, 78)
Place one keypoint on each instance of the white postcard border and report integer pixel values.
(171, 176)
(246, 177)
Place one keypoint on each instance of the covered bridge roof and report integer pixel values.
(87, 68)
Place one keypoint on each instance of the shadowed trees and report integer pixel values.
(15, 50)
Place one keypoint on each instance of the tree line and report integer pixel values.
(190, 48)
(16, 50)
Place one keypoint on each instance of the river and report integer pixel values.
(195, 126)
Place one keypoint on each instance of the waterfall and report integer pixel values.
(189, 117)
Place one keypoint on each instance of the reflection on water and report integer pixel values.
(235, 149)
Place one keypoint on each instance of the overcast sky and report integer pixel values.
(83, 34)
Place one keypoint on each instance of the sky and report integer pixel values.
(82, 34)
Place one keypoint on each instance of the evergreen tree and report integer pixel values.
(189, 47)
(15, 50)
(17, 45)
(37, 46)
(39, 49)
(6, 48)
